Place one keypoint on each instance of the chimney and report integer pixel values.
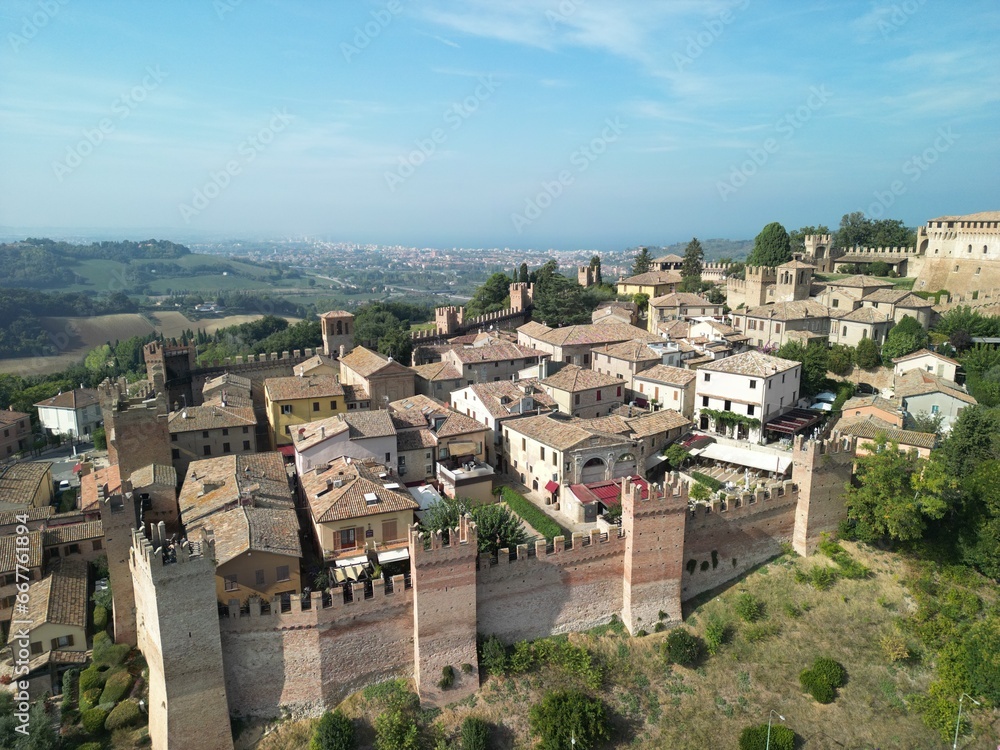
(322, 431)
(343, 351)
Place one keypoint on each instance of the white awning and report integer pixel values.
(346, 562)
(655, 460)
(393, 555)
(743, 457)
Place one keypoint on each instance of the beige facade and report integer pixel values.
(491, 362)
(680, 306)
(15, 433)
(382, 379)
(222, 426)
(26, 484)
(584, 393)
(257, 573)
(863, 323)
(653, 284)
(769, 325)
(667, 387)
(574, 344)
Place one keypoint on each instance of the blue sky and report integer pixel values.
(526, 123)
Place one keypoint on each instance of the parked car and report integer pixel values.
(866, 390)
(827, 396)
(64, 485)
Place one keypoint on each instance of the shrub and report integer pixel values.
(711, 482)
(565, 715)
(822, 680)
(68, 683)
(124, 714)
(493, 656)
(100, 618)
(107, 652)
(761, 630)
(391, 694)
(716, 634)
(523, 658)
(90, 698)
(91, 677)
(791, 610)
(447, 677)
(467, 668)
(333, 732)
(536, 518)
(820, 690)
(116, 687)
(749, 607)
(822, 578)
(831, 671)
(755, 737)
(681, 647)
(475, 734)
(93, 719)
(395, 729)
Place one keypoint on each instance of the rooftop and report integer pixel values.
(667, 374)
(573, 379)
(90, 484)
(227, 379)
(919, 382)
(436, 371)
(875, 401)
(308, 386)
(502, 351)
(752, 363)
(653, 278)
(870, 427)
(72, 532)
(860, 281)
(797, 310)
(152, 474)
(423, 411)
(361, 491)
(357, 425)
(214, 484)
(502, 398)
(61, 597)
(78, 398)
(250, 529)
(897, 297)
(214, 414)
(365, 363)
(865, 315)
(8, 417)
(10, 550)
(630, 351)
(591, 333)
(19, 482)
(681, 298)
(561, 433)
(926, 353)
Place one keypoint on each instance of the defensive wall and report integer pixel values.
(714, 272)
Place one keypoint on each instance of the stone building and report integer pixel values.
(15, 433)
(380, 377)
(337, 329)
(221, 426)
(26, 484)
(574, 344)
(584, 393)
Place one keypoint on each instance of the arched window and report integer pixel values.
(340, 327)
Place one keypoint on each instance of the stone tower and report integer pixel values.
(819, 252)
(822, 470)
(175, 363)
(449, 319)
(178, 633)
(522, 296)
(793, 282)
(444, 612)
(136, 425)
(654, 553)
(119, 518)
(337, 327)
(759, 285)
(585, 276)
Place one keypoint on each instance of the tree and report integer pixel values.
(498, 526)
(493, 295)
(879, 268)
(924, 422)
(866, 354)
(643, 261)
(372, 322)
(397, 344)
(564, 716)
(797, 237)
(395, 729)
(771, 247)
(595, 263)
(682, 647)
(905, 337)
(559, 301)
(100, 439)
(522, 274)
(856, 229)
(475, 734)
(333, 732)
(693, 257)
(641, 300)
(814, 364)
(840, 359)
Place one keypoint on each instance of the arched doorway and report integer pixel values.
(625, 466)
(593, 471)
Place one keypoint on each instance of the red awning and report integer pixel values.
(76, 469)
(287, 450)
(552, 486)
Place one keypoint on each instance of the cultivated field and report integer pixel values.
(172, 324)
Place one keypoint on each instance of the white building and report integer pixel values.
(923, 393)
(928, 361)
(739, 394)
(76, 412)
(361, 435)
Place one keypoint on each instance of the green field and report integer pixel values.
(900, 283)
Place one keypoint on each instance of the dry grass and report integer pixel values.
(172, 324)
(657, 706)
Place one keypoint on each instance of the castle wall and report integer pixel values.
(822, 469)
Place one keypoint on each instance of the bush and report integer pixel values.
(475, 734)
(90, 698)
(565, 715)
(755, 737)
(493, 656)
(395, 729)
(107, 652)
(91, 677)
(116, 687)
(822, 578)
(93, 719)
(831, 671)
(819, 689)
(523, 657)
(100, 618)
(533, 516)
(447, 677)
(124, 714)
(681, 647)
(716, 634)
(711, 482)
(822, 680)
(391, 694)
(749, 607)
(333, 732)
(68, 683)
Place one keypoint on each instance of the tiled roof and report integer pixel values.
(78, 398)
(89, 484)
(73, 532)
(307, 386)
(876, 401)
(227, 379)
(61, 597)
(411, 440)
(573, 379)
(865, 315)
(919, 382)
(415, 411)
(364, 361)
(860, 281)
(752, 363)
(797, 264)
(212, 415)
(870, 427)
(670, 258)
(9, 517)
(674, 329)
(437, 371)
(501, 396)
(657, 422)
(154, 474)
(337, 314)
(561, 433)
(897, 297)
(592, 333)
(630, 351)
(249, 529)
(212, 484)
(9, 550)
(797, 310)
(667, 375)
(653, 278)
(328, 502)
(315, 362)
(19, 482)
(980, 216)
(8, 417)
(925, 353)
(502, 351)
(306, 435)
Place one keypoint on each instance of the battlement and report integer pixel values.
(153, 555)
(741, 504)
(432, 548)
(581, 548)
(766, 274)
(858, 250)
(835, 443)
(818, 239)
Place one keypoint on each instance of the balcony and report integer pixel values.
(469, 479)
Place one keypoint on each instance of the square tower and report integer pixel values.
(337, 327)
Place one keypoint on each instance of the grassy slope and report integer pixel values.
(656, 706)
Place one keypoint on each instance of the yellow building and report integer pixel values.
(356, 507)
(653, 283)
(294, 401)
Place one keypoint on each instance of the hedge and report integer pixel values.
(107, 652)
(532, 515)
(93, 720)
(117, 687)
(91, 677)
(711, 482)
(125, 713)
(100, 618)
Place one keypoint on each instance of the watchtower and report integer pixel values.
(522, 296)
(444, 612)
(136, 425)
(793, 282)
(654, 552)
(337, 327)
(820, 252)
(821, 469)
(449, 319)
(585, 276)
(119, 518)
(759, 285)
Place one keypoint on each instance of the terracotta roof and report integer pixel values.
(925, 353)
(503, 397)
(8, 417)
(9, 517)
(561, 433)
(19, 482)
(305, 436)
(667, 374)
(72, 532)
(657, 422)
(870, 427)
(78, 398)
(859, 281)
(573, 379)
(897, 297)
(212, 415)
(227, 379)
(797, 264)
(214, 484)
(630, 351)
(591, 333)
(154, 474)
(875, 401)
(328, 502)
(365, 362)
(337, 314)
(415, 411)
(865, 315)
(681, 298)
(437, 371)
(308, 386)
(249, 529)
(919, 382)
(674, 329)
(669, 258)
(980, 216)
(411, 440)
(61, 597)
(797, 310)
(502, 351)
(9, 550)
(315, 362)
(752, 363)
(109, 476)
(653, 278)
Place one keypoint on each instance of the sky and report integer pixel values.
(561, 124)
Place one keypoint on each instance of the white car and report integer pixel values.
(64, 485)
(822, 406)
(825, 396)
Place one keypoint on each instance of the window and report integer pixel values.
(576, 398)
(750, 410)
(619, 394)
(541, 453)
(246, 445)
(204, 433)
(777, 327)
(401, 461)
(73, 549)
(845, 331)
(175, 454)
(347, 539)
(36, 647)
(207, 450)
(286, 408)
(225, 431)
(586, 359)
(230, 582)
(708, 376)
(352, 406)
(934, 409)
(555, 458)
(333, 406)
(282, 573)
(259, 577)
(524, 445)
(753, 385)
(226, 448)
(246, 430)
(173, 437)
(704, 401)
(782, 377)
(98, 544)
(836, 303)
(315, 405)
(728, 406)
(598, 394)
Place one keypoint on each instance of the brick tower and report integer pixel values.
(337, 327)
(522, 296)
(444, 612)
(136, 425)
(119, 518)
(654, 552)
(821, 469)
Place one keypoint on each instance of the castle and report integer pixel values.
(450, 321)
(257, 658)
